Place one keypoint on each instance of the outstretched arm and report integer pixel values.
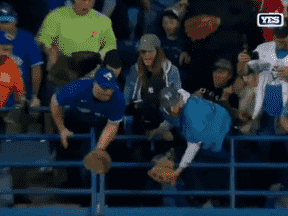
(108, 135)
(190, 153)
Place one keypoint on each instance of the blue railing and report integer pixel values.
(98, 206)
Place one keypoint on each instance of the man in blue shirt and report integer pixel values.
(89, 100)
(25, 52)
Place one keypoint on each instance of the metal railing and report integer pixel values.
(98, 205)
(92, 191)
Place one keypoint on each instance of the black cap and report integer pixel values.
(224, 64)
(169, 97)
(112, 58)
(170, 13)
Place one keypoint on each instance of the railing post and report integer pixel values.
(232, 173)
(93, 178)
(128, 120)
(101, 194)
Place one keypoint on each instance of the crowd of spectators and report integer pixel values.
(149, 45)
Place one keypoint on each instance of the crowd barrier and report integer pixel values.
(98, 206)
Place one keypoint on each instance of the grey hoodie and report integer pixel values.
(133, 85)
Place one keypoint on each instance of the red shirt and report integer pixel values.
(10, 81)
(269, 6)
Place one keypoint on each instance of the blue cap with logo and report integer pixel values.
(3, 38)
(106, 79)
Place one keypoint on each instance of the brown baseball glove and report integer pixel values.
(163, 171)
(200, 27)
(98, 161)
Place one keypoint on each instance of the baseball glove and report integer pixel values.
(98, 161)
(200, 27)
(163, 171)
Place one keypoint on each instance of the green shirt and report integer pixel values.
(78, 33)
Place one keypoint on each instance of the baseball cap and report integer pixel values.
(170, 13)
(149, 42)
(106, 79)
(7, 13)
(169, 97)
(3, 39)
(112, 58)
(223, 64)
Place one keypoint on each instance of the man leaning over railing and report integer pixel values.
(89, 103)
(202, 123)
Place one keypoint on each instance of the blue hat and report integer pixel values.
(7, 13)
(3, 38)
(106, 79)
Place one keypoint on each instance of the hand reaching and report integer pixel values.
(65, 134)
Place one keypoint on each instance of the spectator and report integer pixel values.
(222, 85)
(236, 19)
(152, 72)
(172, 38)
(112, 62)
(271, 88)
(59, 45)
(184, 111)
(28, 57)
(50, 37)
(92, 102)
(10, 81)
(153, 8)
(247, 104)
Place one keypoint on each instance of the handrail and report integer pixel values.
(191, 192)
(144, 165)
(92, 191)
(40, 109)
(41, 136)
(96, 205)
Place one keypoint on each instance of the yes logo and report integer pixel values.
(270, 20)
(108, 76)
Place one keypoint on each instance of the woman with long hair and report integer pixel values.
(148, 76)
(151, 73)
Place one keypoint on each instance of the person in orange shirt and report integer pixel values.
(271, 6)
(10, 75)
